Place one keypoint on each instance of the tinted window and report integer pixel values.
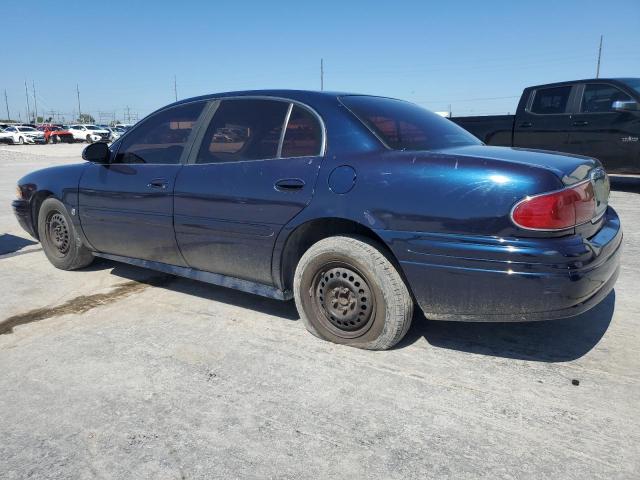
(160, 138)
(551, 100)
(405, 126)
(243, 130)
(600, 97)
(303, 135)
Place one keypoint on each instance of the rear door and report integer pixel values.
(126, 207)
(604, 133)
(545, 122)
(248, 178)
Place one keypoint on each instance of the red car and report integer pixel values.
(56, 134)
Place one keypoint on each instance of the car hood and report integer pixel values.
(569, 168)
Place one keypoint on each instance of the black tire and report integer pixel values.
(348, 292)
(56, 139)
(20, 141)
(60, 241)
(89, 139)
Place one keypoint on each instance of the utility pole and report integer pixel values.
(175, 88)
(321, 74)
(128, 115)
(79, 111)
(26, 92)
(6, 102)
(35, 101)
(599, 57)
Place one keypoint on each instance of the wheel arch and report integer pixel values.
(299, 240)
(36, 202)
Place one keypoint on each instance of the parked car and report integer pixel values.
(599, 118)
(56, 134)
(89, 133)
(20, 134)
(354, 205)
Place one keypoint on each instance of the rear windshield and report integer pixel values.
(404, 126)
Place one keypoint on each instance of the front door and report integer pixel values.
(600, 131)
(254, 171)
(545, 123)
(126, 207)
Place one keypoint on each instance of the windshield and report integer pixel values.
(633, 83)
(91, 127)
(405, 126)
(27, 129)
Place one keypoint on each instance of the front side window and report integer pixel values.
(599, 97)
(303, 136)
(406, 126)
(243, 129)
(161, 138)
(548, 101)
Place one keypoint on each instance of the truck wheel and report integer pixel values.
(60, 241)
(348, 292)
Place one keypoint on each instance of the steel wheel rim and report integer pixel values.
(344, 302)
(57, 231)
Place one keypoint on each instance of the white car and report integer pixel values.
(89, 133)
(20, 135)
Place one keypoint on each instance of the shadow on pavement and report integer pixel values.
(277, 308)
(546, 341)
(12, 243)
(623, 183)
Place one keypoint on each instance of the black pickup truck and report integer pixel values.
(598, 118)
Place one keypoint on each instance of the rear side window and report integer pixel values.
(547, 101)
(160, 139)
(600, 97)
(303, 135)
(405, 126)
(243, 130)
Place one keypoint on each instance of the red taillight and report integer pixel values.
(556, 210)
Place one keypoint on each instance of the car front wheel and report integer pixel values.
(347, 291)
(59, 239)
(20, 140)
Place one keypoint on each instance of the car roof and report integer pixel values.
(584, 80)
(304, 96)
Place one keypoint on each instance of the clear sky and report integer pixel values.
(475, 55)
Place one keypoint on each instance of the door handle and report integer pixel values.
(526, 125)
(289, 184)
(159, 183)
(580, 124)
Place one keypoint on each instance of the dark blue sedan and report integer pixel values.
(357, 206)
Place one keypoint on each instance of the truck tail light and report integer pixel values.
(556, 210)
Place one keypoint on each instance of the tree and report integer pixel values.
(86, 118)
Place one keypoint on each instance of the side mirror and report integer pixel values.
(625, 106)
(96, 153)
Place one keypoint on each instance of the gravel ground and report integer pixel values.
(120, 373)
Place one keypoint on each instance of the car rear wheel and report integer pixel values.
(89, 139)
(56, 139)
(347, 291)
(60, 241)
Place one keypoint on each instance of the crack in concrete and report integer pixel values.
(82, 303)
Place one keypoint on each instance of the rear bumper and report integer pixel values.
(472, 278)
(22, 211)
